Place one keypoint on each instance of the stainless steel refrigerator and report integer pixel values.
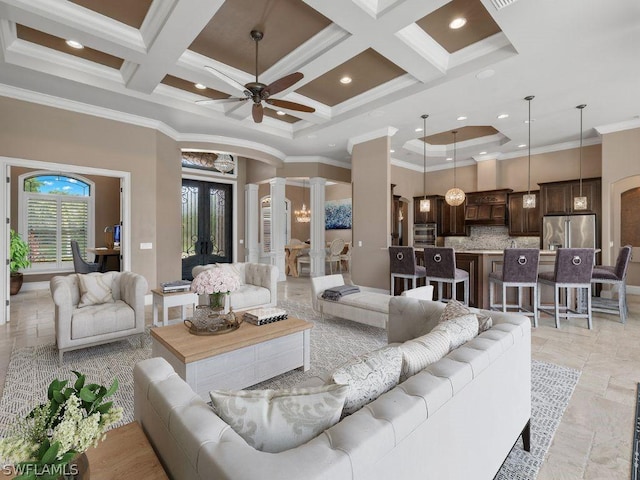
(569, 231)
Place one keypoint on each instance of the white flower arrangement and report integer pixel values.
(215, 280)
(54, 433)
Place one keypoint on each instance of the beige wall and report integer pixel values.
(371, 179)
(621, 172)
(240, 211)
(310, 170)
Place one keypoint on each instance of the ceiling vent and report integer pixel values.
(500, 4)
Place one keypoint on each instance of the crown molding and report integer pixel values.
(228, 141)
(618, 127)
(417, 168)
(551, 148)
(365, 137)
(317, 159)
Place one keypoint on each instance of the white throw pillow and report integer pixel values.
(95, 288)
(460, 329)
(368, 376)
(233, 270)
(455, 309)
(277, 420)
(421, 352)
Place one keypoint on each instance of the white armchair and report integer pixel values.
(85, 326)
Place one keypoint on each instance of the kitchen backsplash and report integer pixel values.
(490, 238)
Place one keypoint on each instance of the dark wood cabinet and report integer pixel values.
(453, 223)
(434, 215)
(524, 221)
(487, 208)
(557, 197)
(472, 263)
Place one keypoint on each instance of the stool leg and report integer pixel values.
(519, 299)
(393, 285)
(504, 297)
(556, 300)
(491, 304)
(466, 291)
(454, 288)
(535, 305)
(589, 320)
(622, 301)
(439, 291)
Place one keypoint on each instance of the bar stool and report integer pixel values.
(403, 265)
(572, 269)
(440, 263)
(519, 269)
(613, 276)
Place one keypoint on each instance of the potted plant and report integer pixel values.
(19, 258)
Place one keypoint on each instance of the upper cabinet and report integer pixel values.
(434, 215)
(487, 208)
(557, 197)
(453, 223)
(523, 221)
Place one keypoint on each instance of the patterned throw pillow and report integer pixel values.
(460, 329)
(95, 288)
(368, 376)
(232, 269)
(277, 420)
(456, 309)
(421, 352)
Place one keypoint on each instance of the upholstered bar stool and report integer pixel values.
(617, 276)
(403, 265)
(440, 263)
(519, 270)
(572, 269)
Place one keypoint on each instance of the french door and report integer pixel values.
(206, 224)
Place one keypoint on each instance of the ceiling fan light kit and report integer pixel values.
(259, 92)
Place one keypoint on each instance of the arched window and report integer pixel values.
(55, 209)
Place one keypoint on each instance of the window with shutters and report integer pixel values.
(55, 209)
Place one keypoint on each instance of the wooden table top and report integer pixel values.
(158, 291)
(297, 246)
(190, 348)
(104, 251)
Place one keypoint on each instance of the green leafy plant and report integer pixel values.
(74, 418)
(18, 252)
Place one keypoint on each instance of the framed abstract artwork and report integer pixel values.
(337, 214)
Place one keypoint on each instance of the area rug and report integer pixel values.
(333, 341)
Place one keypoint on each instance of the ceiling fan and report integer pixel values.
(259, 92)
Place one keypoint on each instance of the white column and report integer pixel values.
(252, 220)
(278, 219)
(317, 252)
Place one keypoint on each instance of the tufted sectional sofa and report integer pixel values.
(259, 285)
(456, 419)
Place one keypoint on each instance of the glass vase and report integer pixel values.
(218, 302)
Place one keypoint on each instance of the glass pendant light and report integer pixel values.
(580, 203)
(304, 215)
(529, 200)
(425, 203)
(454, 196)
(224, 163)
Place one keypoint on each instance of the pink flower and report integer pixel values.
(215, 280)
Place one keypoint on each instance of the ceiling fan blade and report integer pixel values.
(225, 78)
(220, 100)
(283, 83)
(257, 112)
(290, 105)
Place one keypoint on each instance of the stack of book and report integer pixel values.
(175, 286)
(262, 316)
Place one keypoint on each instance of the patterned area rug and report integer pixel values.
(333, 341)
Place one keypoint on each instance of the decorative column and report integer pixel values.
(252, 220)
(278, 227)
(317, 252)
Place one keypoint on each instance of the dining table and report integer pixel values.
(102, 254)
(291, 254)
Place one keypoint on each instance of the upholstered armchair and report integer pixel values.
(97, 308)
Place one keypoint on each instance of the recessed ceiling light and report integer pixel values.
(392, 151)
(74, 44)
(376, 114)
(482, 153)
(458, 23)
(503, 115)
(332, 144)
(485, 74)
(522, 145)
(346, 80)
(532, 120)
(200, 86)
(280, 112)
(418, 130)
(461, 117)
(312, 135)
(449, 159)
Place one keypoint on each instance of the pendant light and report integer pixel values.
(425, 204)
(580, 203)
(304, 215)
(224, 163)
(454, 196)
(529, 200)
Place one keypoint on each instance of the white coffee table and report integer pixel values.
(164, 300)
(234, 360)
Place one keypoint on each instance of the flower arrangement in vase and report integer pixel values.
(217, 283)
(51, 441)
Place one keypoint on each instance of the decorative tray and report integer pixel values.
(212, 329)
(210, 322)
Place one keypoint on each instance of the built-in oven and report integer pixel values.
(424, 235)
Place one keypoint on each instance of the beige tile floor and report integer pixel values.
(595, 435)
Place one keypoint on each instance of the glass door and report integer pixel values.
(206, 224)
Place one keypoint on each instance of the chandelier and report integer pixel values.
(454, 196)
(224, 163)
(304, 215)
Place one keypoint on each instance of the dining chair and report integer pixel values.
(440, 264)
(519, 270)
(79, 264)
(334, 252)
(572, 270)
(617, 277)
(346, 256)
(403, 265)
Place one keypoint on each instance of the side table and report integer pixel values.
(171, 299)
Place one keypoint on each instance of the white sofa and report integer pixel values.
(258, 285)
(456, 420)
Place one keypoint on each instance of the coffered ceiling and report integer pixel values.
(142, 58)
